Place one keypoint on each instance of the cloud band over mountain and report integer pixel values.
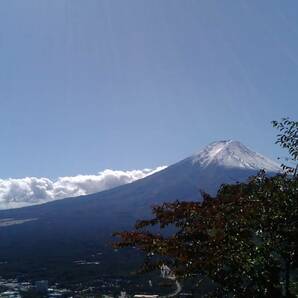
(27, 191)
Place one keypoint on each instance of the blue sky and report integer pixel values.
(89, 85)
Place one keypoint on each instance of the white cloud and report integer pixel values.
(27, 191)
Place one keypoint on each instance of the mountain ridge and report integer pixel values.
(205, 159)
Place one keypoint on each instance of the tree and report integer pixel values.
(288, 138)
(244, 239)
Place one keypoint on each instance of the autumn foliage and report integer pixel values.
(243, 241)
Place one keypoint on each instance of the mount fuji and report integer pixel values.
(232, 154)
(63, 231)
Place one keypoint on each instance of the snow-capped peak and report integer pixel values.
(233, 154)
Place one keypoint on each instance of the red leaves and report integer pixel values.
(241, 239)
(235, 238)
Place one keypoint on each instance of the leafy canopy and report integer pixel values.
(243, 240)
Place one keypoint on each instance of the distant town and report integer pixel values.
(13, 288)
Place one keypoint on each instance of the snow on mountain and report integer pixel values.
(233, 154)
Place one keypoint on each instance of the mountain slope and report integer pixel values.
(78, 227)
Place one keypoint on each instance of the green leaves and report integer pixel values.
(288, 139)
